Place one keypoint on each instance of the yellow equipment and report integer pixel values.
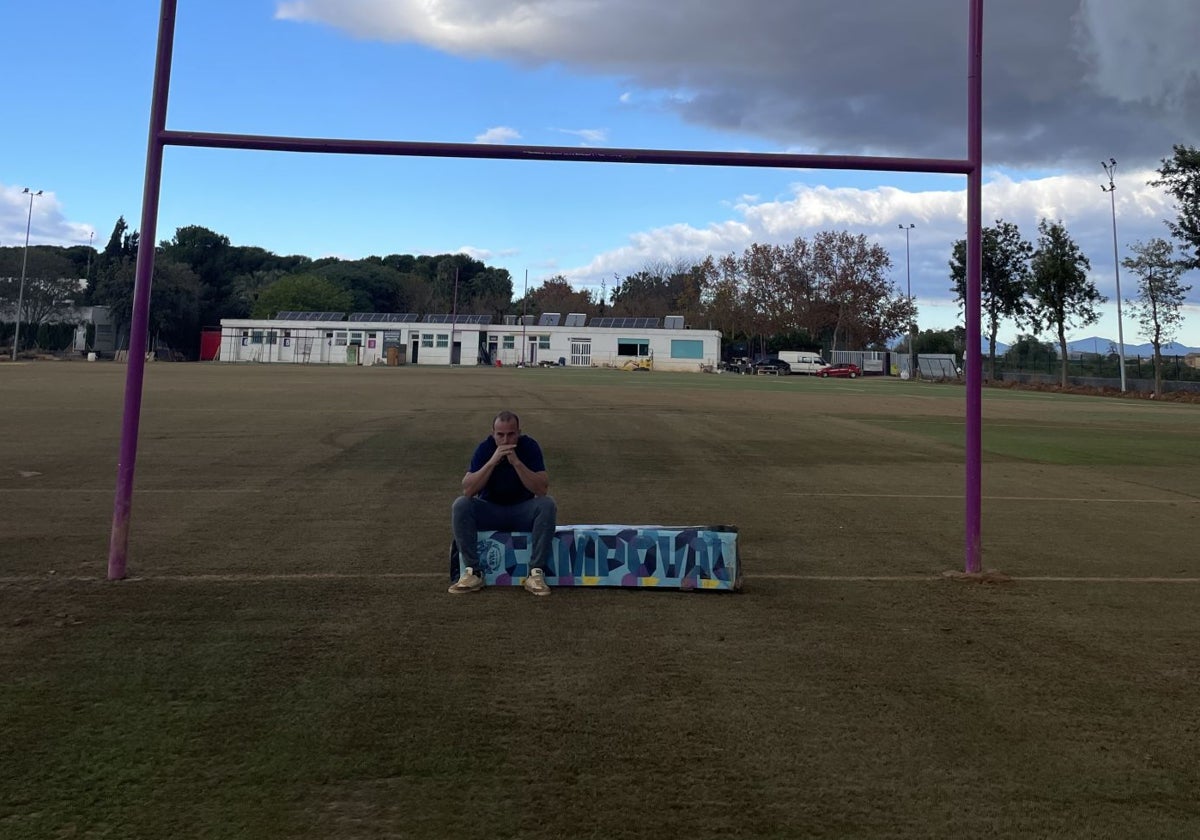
(640, 363)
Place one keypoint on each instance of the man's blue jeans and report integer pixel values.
(470, 515)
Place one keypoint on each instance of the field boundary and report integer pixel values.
(355, 576)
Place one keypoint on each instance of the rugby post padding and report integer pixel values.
(689, 557)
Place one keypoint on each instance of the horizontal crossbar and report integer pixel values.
(492, 151)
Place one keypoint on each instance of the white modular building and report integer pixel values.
(375, 338)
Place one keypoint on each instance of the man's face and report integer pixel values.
(506, 432)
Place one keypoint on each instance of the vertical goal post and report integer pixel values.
(160, 137)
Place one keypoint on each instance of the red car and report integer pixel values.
(846, 369)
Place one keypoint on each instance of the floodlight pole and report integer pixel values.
(524, 309)
(912, 326)
(135, 369)
(1111, 189)
(24, 262)
(87, 274)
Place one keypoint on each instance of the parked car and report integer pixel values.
(773, 367)
(846, 369)
(803, 361)
(739, 364)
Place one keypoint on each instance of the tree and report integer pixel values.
(1004, 281)
(1160, 297)
(301, 292)
(721, 296)
(174, 311)
(373, 286)
(51, 282)
(1180, 174)
(557, 295)
(208, 254)
(113, 275)
(175, 299)
(1027, 352)
(1062, 294)
(865, 308)
(941, 341)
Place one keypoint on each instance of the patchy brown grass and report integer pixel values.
(1091, 391)
(238, 687)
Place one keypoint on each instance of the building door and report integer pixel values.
(581, 352)
(456, 353)
(416, 343)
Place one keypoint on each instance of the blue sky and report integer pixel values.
(1066, 85)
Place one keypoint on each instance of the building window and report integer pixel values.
(256, 337)
(443, 339)
(543, 342)
(339, 339)
(510, 342)
(426, 339)
(633, 347)
(687, 348)
(271, 334)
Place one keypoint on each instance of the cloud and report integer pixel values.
(47, 224)
(1065, 81)
(589, 136)
(481, 254)
(498, 134)
(939, 216)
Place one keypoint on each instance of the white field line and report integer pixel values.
(140, 492)
(959, 498)
(336, 576)
(937, 496)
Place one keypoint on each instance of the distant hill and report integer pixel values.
(1099, 344)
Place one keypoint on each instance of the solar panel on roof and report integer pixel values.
(549, 319)
(575, 319)
(384, 317)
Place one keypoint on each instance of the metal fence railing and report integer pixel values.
(1179, 368)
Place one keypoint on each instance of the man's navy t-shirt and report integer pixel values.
(504, 487)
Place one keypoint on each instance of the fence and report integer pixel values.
(1100, 366)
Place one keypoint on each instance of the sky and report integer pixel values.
(1067, 84)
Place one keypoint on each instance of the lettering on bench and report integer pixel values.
(685, 557)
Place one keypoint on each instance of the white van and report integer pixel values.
(802, 361)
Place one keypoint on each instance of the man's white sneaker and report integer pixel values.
(535, 582)
(468, 582)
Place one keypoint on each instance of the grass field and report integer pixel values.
(284, 662)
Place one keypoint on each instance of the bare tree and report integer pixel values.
(1160, 296)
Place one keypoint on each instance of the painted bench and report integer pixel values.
(692, 557)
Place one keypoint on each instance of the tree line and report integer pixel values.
(828, 291)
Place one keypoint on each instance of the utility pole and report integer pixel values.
(24, 262)
(1111, 190)
(524, 309)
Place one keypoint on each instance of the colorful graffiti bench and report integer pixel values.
(691, 557)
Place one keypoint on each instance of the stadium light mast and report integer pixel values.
(87, 274)
(912, 326)
(524, 309)
(24, 261)
(1111, 189)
